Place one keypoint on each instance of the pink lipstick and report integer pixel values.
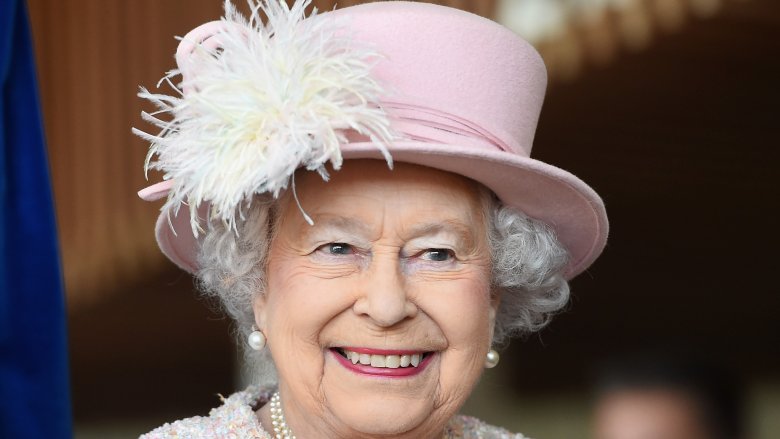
(391, 363)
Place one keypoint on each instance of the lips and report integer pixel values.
(392, 363)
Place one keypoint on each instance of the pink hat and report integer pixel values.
(465, 95)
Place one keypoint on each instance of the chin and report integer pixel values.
(381, 405)
(384, 415)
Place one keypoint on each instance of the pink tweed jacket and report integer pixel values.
(235, 418)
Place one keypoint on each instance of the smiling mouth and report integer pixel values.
(400, 360)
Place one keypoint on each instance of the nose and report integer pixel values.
(383, 296)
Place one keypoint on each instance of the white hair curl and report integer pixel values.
(527, 272)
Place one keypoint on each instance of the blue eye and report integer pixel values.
(338, 248)
(438, 254)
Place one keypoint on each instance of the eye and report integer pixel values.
(337, 248)
(438, 255)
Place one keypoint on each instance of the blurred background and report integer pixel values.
(668, 108)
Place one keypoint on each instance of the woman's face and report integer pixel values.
(394, 271)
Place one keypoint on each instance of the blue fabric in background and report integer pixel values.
(34, 380)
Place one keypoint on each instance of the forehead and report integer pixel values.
(364, 192)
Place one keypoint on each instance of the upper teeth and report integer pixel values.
(391, 361)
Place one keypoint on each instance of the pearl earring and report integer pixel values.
(256, 339)
(491, 359)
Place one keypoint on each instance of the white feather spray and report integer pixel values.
(271, 98)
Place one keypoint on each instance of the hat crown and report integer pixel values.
(451, 64)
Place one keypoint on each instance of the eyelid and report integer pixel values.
(421, 253)
(319, 240)
(440, 249)
(326, 245)
(344, 245)
(449, 251)
(416, 248)
(355, 251)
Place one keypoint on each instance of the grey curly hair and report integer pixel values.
(527, 271)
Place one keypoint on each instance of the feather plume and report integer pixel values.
(271, 98)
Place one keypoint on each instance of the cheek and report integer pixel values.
(294, 287)
(299, 309)
(461, 308)
(462, 312)
(299, 304)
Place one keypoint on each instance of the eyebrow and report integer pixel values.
(340, 223)
(462, 232)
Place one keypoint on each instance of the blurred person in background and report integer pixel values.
(657, 398)
(370, 299)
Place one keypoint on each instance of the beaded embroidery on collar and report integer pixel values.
(237, 417)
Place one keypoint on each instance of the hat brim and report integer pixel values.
(541, 191)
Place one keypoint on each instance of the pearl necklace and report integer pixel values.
(281, 430)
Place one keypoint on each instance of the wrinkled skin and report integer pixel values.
(395, 260)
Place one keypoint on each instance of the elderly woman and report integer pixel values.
(356, 189)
